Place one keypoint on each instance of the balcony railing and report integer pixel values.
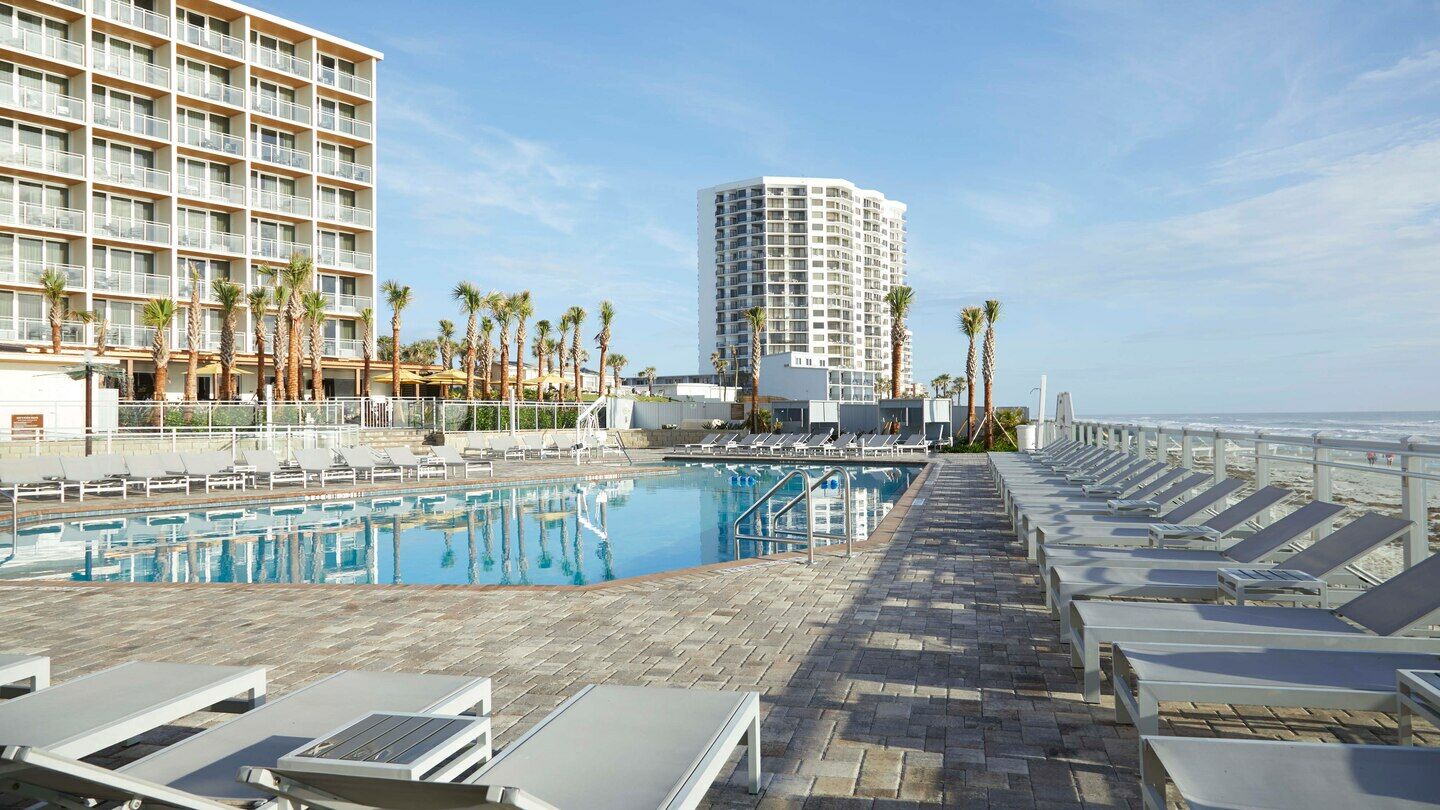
(348, 259)
(348, 214)
(126, 174)
(334, 167)
(126, 13)
(282, 203)
(283, 62)
(142, 230)
(42, 100)
(130, 283)
(209, 139)
(280, 108)
(129, 336)
(43, 158)
(330, 77)
(38, 330)
(342, 347)
(344, 125)
(211, 40)
(78, 5)
(38, 215)
(276, 248)
(131, 121)
(205, 188)
(133, 69)
(340, 302)
(280, 154)
(49, 46)
(201, 239)
(206, 88)
(29, 271)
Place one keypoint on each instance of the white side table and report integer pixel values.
(1417, 692)
(1273, 584)
(396, 745)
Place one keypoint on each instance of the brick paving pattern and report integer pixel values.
(922, 672)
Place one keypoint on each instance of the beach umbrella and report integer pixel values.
(211, 369)
(549, 379)
(449, 376)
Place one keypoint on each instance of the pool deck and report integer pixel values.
(922, 672)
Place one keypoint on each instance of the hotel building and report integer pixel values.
(819, 254)
(143, 142)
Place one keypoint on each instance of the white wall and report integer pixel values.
(41, 387)
(780, 379)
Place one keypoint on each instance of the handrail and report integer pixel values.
(806, 494)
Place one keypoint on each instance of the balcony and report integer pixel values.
(340, 302)
(38, 215)
(346, 259)
(130, 283)
(131, 121)
(280, 108)
(348, 214)
(128, 336)
(127, 14)
(334, 167)
(331, 77)
(139, 230)
(281, 155)
(132, 69)
(78, 5)
(201, 87)
(345, 126)
(49, 46)
(210, 339)
(281, 203)
(29, 271)
(207, 189)
(340, 347)
(43, 101)
(42, 158)
(214, 141)
(200, 239)
(277, 249)
(37, 330)
(126, 174)
(211, 40)
(283, 62)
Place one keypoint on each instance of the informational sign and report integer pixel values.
(27, 425)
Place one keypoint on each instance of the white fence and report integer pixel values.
(427, 414)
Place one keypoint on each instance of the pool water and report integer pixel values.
(561, 533)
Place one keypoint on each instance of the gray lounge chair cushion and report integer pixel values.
(1216, 618)
(1399, 603)
(1270, 539)
(398, 793)
(1122, 578)
(1345, 544)
(1247, 508)
(1259, 666)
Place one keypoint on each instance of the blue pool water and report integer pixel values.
(562, 533)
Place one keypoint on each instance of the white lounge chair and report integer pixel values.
(704, 444)
(88, 477)
(405, 459)
(150, 473)
(264, 466)
(318, 464)
(24, 477)
(367, 464)
(213, 469)
(21, 674)
(450, 456)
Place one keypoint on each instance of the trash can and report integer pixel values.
(1026, 436)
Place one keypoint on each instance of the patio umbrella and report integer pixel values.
(211, 369)
(449, 376)
(407, 377)
(549, 379)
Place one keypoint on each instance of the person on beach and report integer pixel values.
(1370, 456)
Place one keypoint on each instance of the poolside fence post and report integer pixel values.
(1321, 481)
(1187, 450)
(1412, 502)
(1162, 445)
(1218, 474)
(1262, 474)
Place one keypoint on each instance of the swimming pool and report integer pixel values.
(560, 533)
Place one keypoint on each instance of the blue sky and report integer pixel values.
(1183, 207)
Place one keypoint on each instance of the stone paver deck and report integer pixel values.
(922, 672)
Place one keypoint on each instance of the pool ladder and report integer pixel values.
(782, 536)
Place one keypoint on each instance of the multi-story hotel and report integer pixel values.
(143, 142)
(819, 254)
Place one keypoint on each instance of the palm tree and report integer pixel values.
(486, 356)
(227, 294)
(577, 317)
(53, 284)
(940, 383)
(616, 363)
(158, 314)
(542, 344)
(523, 308)
(649, 374)
(87, 317)
(899, 300)
(281, 344)
(314, 304)
(971, 321)
(297, 275)
(755, 317)
(257, 299)
(992, 314)
(446, 343)
(367, 351)
(472, 302)
(502, 311)
(567, 322)
(398, 297)
(602, 339)
(194, 324)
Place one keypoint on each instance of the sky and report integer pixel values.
(1227, 207)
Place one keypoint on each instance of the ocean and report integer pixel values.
(1378, 425)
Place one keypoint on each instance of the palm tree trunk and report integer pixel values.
(486, 360)
(504, 365)
(895, 350)
(520, 362)
(227, 356)
(604, 350)
(395, 355)
(989, 370)
(317, 367)
(470, 338)
(970, 392)
(260, 359)
(57, 318)
(193, 324)
(295, 357)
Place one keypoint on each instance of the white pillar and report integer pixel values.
(1262, 476)
(1219, 460)
(1187, 450)
(1320, 476)
(1162, 449)
(1412, 503)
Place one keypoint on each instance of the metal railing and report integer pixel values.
(29, 271)
(282, 155)
(202, 239)
(42, 100)
(205, 87)
(213, 40)
(348, 214)
(142, 230)
(127, 67)
(341, 302)
(780, 535)
(283, 62)
(132, 283)
(279, 108)
(210, 139)
(131, 121)
(276, 248)
(48, 45)
(45, 158)
(348, 259)
(237, 438)
(128, 174)
(344, 125)
(209, 189)
(129, 14)
(284, 203)
(39, 215)
(345, 170)
(330, 77)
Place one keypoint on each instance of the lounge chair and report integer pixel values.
(264, 466)
(93, 712)
(842, 445)
(704, 444)
(914, 443)
(87, 476)
(367, 465)
(506, 447)
(1213, 773)
(1108, 530)
(200, 770)
(213, 469)
(743, 444)
(606, 748)
(805, 444)
(609, 443)
(24, 478)
(1167, 485)
(21, 674)
(405, 459)
(1377, 619)
(150, 473)
(780, 445)
(450, 456)
(318, 464)
(1321, 559)
(534, 446)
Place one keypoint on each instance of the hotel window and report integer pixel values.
(272, 43)
(273, 236)
(30, 192)
(203, 121)
(194, 174)
(202, 72)
(336, 198)
(269, 136)
(127, 208)
(272, 92)
(122, 48)
(204, 21)
(330, 109)
(121, 101)
(111, 260)
(30, 79)
(123, 154)
(199, 219)
(32, 255)
(337, 151)
(18, 135)
(207, 269)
